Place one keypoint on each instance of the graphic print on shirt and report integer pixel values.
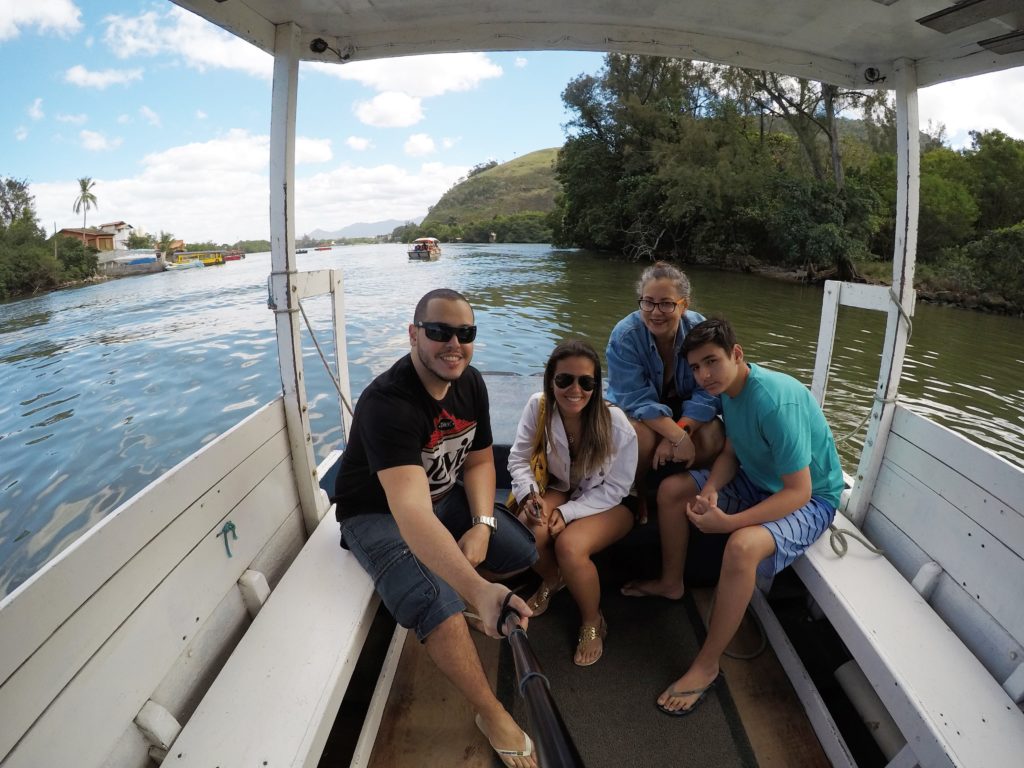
(445, 452)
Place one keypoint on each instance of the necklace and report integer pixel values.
(572, 440)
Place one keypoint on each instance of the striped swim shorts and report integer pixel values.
(793, 533)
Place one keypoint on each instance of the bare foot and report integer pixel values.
(683, 696)
(653, 588)
(506, 737)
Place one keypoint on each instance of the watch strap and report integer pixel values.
(488, 520)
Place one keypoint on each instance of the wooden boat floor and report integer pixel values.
(427, 722)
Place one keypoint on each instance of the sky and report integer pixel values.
(170, 116)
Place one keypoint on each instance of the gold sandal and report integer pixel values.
(542, 597)
(588, 634)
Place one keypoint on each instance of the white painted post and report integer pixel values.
(826, 339)
(908, 166)
(341, 348)
(284, 295)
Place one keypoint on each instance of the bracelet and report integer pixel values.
(679, 442)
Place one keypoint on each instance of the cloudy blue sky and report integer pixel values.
(170, 117)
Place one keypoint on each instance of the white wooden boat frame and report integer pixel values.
(138, 642)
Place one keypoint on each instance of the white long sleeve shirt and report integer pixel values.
(595, 493)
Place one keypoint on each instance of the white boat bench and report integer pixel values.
(276, 699)
(145, 623)
(953, 501)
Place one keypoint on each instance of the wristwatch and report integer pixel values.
(488, 520)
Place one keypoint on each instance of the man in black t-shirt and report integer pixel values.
(418, 429)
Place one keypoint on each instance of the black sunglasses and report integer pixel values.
(565, 380)
(442, 332)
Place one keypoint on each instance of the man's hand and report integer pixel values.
(474, 543)
(488, 601)
(709, 518)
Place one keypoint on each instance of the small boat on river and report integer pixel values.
(213, 620)
(173, 266)
(206, 258)
(425, 249)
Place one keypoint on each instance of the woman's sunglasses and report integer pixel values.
(442, 332)
(565, 380)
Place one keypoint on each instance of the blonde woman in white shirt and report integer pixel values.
(575, 508)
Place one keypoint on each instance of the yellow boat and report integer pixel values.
(208, 258)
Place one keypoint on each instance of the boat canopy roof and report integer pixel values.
(426, 240)
(850, 43)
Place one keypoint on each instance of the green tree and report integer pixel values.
(15, 202)
(140, 240)
(163, 241)
(86, 199)
(997, 174)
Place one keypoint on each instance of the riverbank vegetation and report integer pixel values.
(743, 169)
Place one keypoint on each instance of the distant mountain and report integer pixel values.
(360, 229)
(519, 186)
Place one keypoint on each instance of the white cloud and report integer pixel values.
(422, 76)
(78, 119)
(312, 151)
(97, 142)
(228, 202)
(352, 193)
(182, 36)
(57, 16)
(20, 133)
(448, 142)
(79, 75)
(124, 119)
(978, 103)
(35, 110)
(418, 145)
(200, 115)
(150, 116)
(390, 110)
(520, 62)
(358, 143)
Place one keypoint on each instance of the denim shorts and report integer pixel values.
(415, 596)
(793, 533)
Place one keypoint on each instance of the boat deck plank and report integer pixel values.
(426, 720)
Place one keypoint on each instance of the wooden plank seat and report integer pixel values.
(142, 610)
(274, 702)
(944, 494)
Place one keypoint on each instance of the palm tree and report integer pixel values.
(85, 200)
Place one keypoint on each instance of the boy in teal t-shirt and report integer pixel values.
(774, 490)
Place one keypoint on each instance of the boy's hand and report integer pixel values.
(707, 517)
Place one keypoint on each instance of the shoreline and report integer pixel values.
(990, 305)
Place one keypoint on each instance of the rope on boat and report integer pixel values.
(334, 379)
(838, 540)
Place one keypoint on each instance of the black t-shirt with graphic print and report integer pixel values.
(397, 423)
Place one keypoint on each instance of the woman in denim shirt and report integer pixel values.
(650, 380)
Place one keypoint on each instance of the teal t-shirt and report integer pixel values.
(776, 428)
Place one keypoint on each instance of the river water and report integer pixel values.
(108, 386)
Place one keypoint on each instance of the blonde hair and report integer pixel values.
(660, 270)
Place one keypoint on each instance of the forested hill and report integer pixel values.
(526, 184)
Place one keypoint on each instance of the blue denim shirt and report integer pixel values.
(635, 372)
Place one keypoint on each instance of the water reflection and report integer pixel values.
(110, 385)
